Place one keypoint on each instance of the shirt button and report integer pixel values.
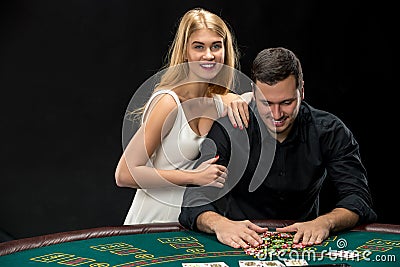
(282, 173)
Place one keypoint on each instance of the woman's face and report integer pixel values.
(205, 53)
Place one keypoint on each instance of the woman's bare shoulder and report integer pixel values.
(161, 106)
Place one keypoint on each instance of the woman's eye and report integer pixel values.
(216, 46)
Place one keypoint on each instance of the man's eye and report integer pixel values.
(287, 102)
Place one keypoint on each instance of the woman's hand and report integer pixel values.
(238, 113)
(210, 174)
(238, 110)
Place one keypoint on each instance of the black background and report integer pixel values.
(68, 70)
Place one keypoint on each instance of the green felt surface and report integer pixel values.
(174, 248)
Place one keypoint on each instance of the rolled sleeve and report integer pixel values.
(350, 176)
(188, 215)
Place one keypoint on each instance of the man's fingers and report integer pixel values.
(232, 243)
(243, 243)
(319, 239)
(257, 228)
(289, 228)
(312, 239)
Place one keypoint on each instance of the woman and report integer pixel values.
(192, 93)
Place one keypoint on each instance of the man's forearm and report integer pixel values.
(207, 221)
(340, 219)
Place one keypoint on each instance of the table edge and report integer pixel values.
(17, 245)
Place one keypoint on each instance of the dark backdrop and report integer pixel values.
(68, 70)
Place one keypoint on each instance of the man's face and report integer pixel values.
(278, 105)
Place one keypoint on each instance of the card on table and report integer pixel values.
(258, 263)
(205, 264)
(343, 254)
(295, 262)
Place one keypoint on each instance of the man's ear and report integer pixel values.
(302, 91)
(253, 91)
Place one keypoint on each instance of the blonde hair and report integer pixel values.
(175, 69)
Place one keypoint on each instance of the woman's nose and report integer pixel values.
(208, 55)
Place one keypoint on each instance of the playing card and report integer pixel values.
(343, 254)
(205, 264)
(257, 263)
(295, 262)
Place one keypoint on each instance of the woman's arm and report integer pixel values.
(132, 171)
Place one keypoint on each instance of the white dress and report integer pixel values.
(178, 150)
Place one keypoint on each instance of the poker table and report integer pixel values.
(169, 244)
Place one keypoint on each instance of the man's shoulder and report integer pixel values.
(319, 117)
(223, 128)
(222, 124)
(324, 123)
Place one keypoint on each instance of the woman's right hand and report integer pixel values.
(238, 113)
(238, 109)
(210, 174)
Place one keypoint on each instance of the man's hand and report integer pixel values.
(317, 230)
(309, 233)
(237, 234)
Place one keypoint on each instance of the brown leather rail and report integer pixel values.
(13, 246)
(379, 227)
(62, 237)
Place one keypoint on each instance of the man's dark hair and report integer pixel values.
(273, 65)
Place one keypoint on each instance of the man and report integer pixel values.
(277, 166)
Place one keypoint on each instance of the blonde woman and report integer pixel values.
(193, 92)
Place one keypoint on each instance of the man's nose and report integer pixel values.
(276, 110)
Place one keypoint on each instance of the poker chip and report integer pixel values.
(274, 243)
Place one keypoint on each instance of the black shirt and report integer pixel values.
(272, 180)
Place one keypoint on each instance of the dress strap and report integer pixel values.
(159, 92)
(219, 104)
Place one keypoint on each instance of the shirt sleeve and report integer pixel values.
(347, 173)
(199, 199)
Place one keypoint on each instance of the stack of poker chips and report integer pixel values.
(274, 244)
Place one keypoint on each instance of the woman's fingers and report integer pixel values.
(238, 113)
